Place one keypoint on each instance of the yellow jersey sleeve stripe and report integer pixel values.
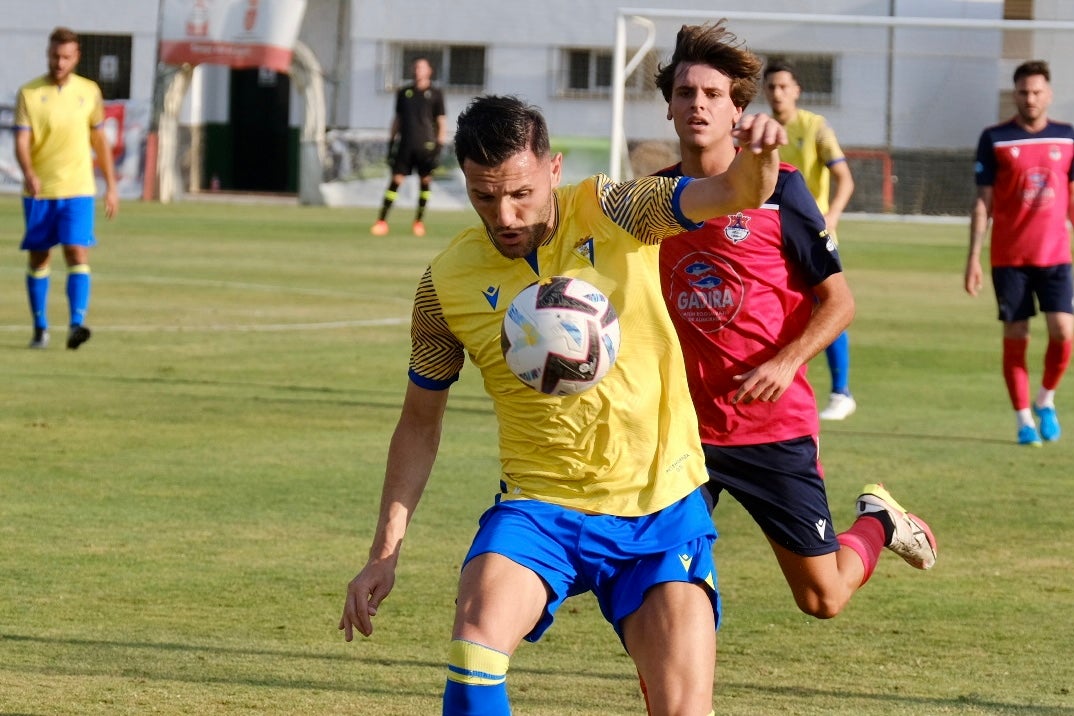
(436, 356)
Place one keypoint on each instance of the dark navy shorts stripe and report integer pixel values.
(1016, 286)
(781, 486)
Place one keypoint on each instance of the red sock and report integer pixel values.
(866, 537)
(1015, 372)
(1056, 360)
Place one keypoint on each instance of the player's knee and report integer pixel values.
(819, 605)
(476, 681)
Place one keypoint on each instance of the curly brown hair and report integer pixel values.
(716, 46)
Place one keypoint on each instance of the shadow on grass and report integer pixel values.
(153, 663)
(904, 703)
(328, 395)
(158, 669)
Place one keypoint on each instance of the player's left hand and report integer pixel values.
(31, 185)
(973, 279)
(111, 203)
(364, 595)
(766, 383)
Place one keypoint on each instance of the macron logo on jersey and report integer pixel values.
(492, 295)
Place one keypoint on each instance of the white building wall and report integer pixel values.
(523, 39)
(27, 24)
(941, 95)
(945, 85)
(946, 81)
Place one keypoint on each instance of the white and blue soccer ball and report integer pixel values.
(560, 335)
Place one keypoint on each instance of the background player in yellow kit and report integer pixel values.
(58, 120)
(813, 149)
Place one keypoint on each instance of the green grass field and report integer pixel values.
(184, 499)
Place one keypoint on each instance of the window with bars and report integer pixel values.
(587, 72)
(106, 59)
(455, 67)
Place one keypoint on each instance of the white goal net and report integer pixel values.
(907, 96)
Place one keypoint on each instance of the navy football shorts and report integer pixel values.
(781, 486)
(1016, 287)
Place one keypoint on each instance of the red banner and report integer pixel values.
(235, 33)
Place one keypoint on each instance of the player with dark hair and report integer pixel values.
(813, 149)
(59, 119)
(1024, 174)
(417, 134)
(599, 491)
(754, 295)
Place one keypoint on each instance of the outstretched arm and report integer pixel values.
(411, 455)
(751, 178)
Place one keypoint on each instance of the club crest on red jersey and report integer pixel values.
(1037, 190)
(737, 229)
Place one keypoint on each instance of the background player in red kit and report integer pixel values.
(1024, 172)
(754, 296)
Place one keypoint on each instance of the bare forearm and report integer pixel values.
(829, 319)
(978, 227)
(104, 158)
(750, 179)
(409, 466)
(844, 189)
(22, 153)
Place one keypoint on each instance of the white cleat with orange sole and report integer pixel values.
(912, 540)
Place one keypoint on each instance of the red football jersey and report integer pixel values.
(1030, 176)
(738, 289)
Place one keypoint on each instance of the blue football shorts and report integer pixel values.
(57, 221)
(617, 558)
(1016, 286)
(780, 484)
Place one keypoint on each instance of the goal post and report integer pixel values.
(907, 96)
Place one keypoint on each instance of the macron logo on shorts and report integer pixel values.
(686, 561)
(821, 525)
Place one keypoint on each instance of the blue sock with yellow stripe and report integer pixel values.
(37, 284)
(78, 292)
(476, 681)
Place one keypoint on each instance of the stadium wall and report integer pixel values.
(944, 89)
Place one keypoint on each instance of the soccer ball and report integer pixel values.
(560, 335)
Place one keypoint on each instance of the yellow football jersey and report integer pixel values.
(812, 148)
(59, 120)
(628, 446)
